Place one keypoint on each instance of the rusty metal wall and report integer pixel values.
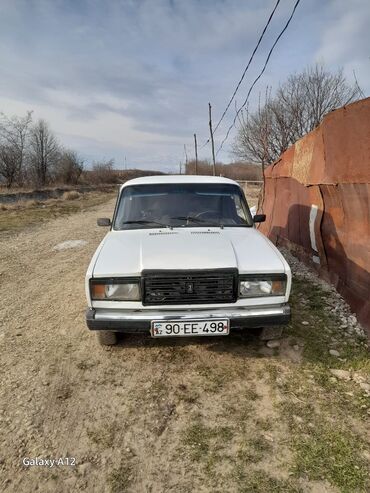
(317, 202)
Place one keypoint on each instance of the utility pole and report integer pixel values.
(213, 144)
(196, 153)
(180, 166)
(186, 159)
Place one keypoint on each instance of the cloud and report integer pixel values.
(345, 42)
(135, 77)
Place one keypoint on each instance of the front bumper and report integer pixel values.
(140, 320)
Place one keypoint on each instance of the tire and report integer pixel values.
(269, 333)
(107, 337)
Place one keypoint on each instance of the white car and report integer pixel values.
(183, 258)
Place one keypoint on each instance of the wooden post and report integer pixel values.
(213, 144)
(196, 154)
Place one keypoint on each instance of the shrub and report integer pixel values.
(71, 195)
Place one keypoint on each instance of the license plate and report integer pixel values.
(173, 328)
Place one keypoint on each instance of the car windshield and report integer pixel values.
(181, 205)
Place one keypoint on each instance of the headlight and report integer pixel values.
(115, 290)
(269, 285)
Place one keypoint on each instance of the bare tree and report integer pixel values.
(235, 170)
(69, 167)
(13, 141)
(103, 172)
(298, 106)
(8, 164)
(44, 151)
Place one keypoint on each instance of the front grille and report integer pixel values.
(189, 287)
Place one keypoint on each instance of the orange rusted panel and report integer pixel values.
(345, 231)
(317, 201)
(346, 135)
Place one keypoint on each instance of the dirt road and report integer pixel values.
(209, 415)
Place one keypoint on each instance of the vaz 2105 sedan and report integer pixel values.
(183, 258)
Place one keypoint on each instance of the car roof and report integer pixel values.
(162, 179)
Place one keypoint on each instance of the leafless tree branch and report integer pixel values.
(298, 106)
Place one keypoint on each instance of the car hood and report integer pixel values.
(128, 253)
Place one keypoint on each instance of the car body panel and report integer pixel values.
(127, 253)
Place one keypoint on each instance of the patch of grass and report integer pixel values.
(239, 411)
(323, 447)
(201, 440)
(272, 371)
(333, 454)
(105, 435)
(121, 478)
(222, 433)
(215, 379)
(261, 482)
(197, 438)
(16, 219)
(264, 423)
(157, 391)
(305, 411)
(186, 394)
(251, 395)
(254, 450)
(337, 396)
(176, 355)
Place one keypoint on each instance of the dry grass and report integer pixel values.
(22, 214)
(251, 193)
(72, 195)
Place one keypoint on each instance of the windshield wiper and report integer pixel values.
(144, 221)
(197, 220)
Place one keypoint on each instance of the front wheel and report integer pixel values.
(107, 337)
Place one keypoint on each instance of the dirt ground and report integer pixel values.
(194, 415)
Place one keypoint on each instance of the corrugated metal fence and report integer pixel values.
(317, 201)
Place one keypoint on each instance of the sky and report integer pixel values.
(131, 79)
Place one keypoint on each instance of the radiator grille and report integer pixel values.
(190, 287)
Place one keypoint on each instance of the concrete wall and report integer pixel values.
(317, 201)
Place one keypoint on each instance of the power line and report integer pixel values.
(245, 71)
(259, 75)
(247, 67)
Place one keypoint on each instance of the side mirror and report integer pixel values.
(104, 221)
(259, 218)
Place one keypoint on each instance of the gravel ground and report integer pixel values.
(334, 302)
(208, 415)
